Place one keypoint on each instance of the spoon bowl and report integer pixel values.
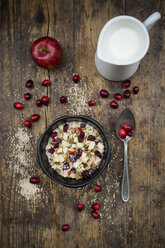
(126, 117)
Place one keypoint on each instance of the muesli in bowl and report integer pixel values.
(75, 150)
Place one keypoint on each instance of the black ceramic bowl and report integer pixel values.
(43, 160)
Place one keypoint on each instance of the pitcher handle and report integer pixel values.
(151, 20)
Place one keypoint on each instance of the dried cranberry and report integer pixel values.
(80, 207)
(79, 153)
(79, 129)
(34, 180)
(104, 93)
(53, 140)
(71, 152)
(56, 145)
(34, 117)
(85, 174)
(96, 206)
(91, 138)
(58, 140)
(85, 165)
(46, 83)
(127, 94)
(122, 133)
(135, 90)
(18, 105)
(76, 78)
(126, 83)
(98, 154)
(73, 170)
(72, 158)
(29, 84)
(82, 125)
(27, 123)
(38, 102)
(114, 104)
(127, 127)
(27, 96)
(51, 150)
(65, 227)
(91, 102)
(63, 99)
(118, 96)
(81, 137)
(66, 166)
(95, 215)
(91, 170)
(54, 134)
(97, 187)
(45, 100)
(65, 127)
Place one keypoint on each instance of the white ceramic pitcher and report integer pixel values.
(114, 68)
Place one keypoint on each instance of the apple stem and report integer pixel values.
(44, 50)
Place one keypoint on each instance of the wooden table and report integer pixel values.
(37, 222)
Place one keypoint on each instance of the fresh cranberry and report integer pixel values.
(97, 187)
(104, 93)
(18, 105)
(27, 96)
(34, 180)
(38, 102)
(56, 145)
(34, 117)
(29, 84)
(114, 104)
(72, 158)
(46, 83)
(122, 133)
(65, 227)
(45, 100)
(73, 170)
(27, 123)
(65, 127)
(81, 137)
(135, 90)
(66, 166)
(118, 96)
(54, 134)
(98, 154)
(127, 94)
(91, 138)
(92, 103)
(79, 129)
(80, 207)
(96, 206)
(51, 150)
(76, 78)
(82, 125)
(85, 174)
(126, 83)
(130, 134)
(63, 99)
(127, 127)
(95, 215)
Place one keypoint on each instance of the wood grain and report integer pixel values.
(77, 24)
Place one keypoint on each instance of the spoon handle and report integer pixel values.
(125, 189)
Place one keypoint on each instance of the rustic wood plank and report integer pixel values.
(29, 223)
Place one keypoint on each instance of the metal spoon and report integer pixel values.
(126, 117)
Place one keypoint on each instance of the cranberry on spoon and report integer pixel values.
(125, 123)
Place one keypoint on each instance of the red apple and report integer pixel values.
(46, 52)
